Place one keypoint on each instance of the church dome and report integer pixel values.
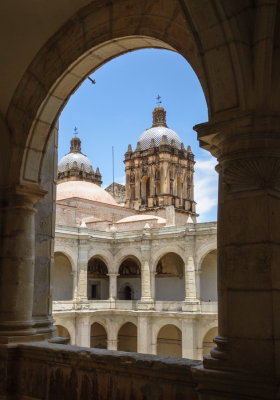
(77, 166)
(83, 190)
(67, 162)
(157, 131)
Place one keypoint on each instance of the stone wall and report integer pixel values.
(57, 372)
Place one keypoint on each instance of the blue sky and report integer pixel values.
(118, 108)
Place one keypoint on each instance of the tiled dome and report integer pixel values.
(67, 162)
(83, 190)
(158, 130)
(156, 133)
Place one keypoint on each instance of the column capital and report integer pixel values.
(21, 196)
(232, 136)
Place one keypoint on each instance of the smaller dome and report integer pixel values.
(82, 162)
(142, 217)
(83, 190)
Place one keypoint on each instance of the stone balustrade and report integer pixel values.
(56, 372)
(204, 307)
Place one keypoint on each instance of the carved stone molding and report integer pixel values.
(250, 174)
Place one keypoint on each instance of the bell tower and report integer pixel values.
(159, 172)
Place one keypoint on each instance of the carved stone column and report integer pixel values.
(147, 302)
(17, 263)
(82, 265)
(248, 342)
(113, 286)
(191, 300)
(83, 334)
(144, 335)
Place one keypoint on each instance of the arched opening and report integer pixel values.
(179, 189)
(129, 280)
(127, 337)
(98, 336)
(61, 331)
(169, 280)
(145, 190)
(97, 279)
(62, 278)
(208, 344)
(169, 341)
(208, 277)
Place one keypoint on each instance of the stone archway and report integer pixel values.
(208, 343)
(63, 332)
(129, 279)
(98, 336)
(208, 277)
(127, 337)
(169, 341)
(97, 279)
(169, 279)
(62, 278)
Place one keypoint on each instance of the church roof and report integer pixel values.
(142, 217)
(83, 190)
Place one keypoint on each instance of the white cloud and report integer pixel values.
(206, 189)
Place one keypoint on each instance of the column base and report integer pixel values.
(221, 385)
(191, 306)
(146, 304)
(15, 340)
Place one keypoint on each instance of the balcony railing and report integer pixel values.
(100, 305)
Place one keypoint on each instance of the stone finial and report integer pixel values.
(129, 149)
(182, 146)
(189, 149)
(152, 142)
(138, 147)
(159, 117)
(164, 140)
(97, 172)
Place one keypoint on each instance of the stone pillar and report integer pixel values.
(17, 263)
(113, 286)
(112, 332)
(83, 334)
(44, 242)
(82, 266)
(191, 300)
(189, 339)
(147, 302)
(248, 257)
(144, 336)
